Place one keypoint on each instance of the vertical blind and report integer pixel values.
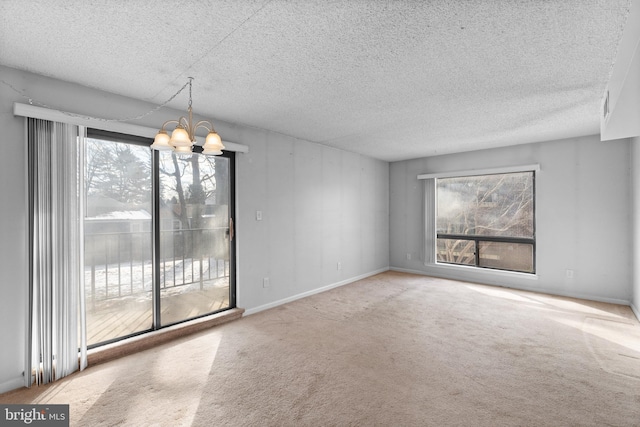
(57, 325)
(429, 221)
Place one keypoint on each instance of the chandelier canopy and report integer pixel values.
(183, 137)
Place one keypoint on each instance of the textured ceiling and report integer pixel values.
(390, 79)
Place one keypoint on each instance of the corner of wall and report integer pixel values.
(635, 310)
(635, 224)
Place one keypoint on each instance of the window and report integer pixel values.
(487, 221)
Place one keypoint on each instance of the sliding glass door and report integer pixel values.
(117, 237)
(194, 235)
(136, 198)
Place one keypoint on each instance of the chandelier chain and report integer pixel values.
(82, 116)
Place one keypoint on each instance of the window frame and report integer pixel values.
(477, 238)
(157, 322)
(432, 235)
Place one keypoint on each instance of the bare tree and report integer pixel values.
(489, 205)
(192, 183)
(117, 171)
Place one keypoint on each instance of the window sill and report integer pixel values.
(151, 339)
(475, 272)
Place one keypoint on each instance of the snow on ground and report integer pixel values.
(134, 279)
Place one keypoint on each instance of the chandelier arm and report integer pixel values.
(205, 124)
(182, 121)
(167, 123)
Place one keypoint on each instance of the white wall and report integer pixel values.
(13, 243)
(635, 212)
(320, 206)
(583, 220)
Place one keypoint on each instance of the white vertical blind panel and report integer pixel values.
(82, 134)
(54, 162)
(430, 221)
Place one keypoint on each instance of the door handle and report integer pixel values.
(231, 230)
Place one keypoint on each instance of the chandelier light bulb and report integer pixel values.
(183, 149)
(180, 137)
(213, 144)
(161, 141)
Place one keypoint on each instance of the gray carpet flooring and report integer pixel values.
(392, 349)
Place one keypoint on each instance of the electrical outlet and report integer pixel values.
(339, 266)
(258, 215)
(569, 274)
(409, 255)
(265, 282)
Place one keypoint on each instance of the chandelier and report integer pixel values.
(183, 136)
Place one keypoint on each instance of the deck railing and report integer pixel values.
(119, 264)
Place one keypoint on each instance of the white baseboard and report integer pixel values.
(312, 292)
(522, 288)
(12, 384)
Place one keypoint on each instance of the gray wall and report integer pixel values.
(320, 206)
(13, 243)
(583, 219)
(635, 212)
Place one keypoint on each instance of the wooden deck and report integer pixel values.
(116, 318)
